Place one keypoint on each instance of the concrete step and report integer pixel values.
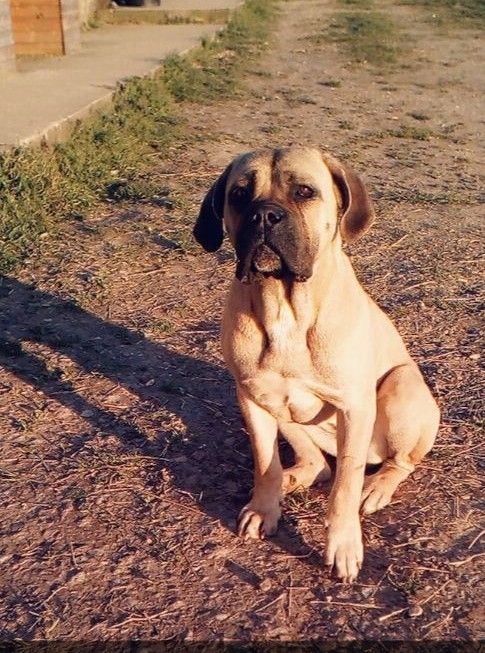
(161, 16)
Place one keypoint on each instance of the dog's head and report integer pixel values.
(282, 208)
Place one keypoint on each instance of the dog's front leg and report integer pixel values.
(344, 550)
(259, 518)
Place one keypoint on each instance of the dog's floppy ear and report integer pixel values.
(208, 230)
(357, 210)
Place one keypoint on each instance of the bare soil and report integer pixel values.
(124, 458)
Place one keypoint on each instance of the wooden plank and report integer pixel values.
(49, 26)
(38, 26)
(38, 48)
(33, 4)
(32, 36)
(36, 32)
(46, 12)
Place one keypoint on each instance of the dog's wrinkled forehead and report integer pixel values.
(265, 170)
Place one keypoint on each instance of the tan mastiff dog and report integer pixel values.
(313, 356)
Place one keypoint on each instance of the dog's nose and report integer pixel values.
(268, 216)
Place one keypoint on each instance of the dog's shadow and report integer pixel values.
(188, 387)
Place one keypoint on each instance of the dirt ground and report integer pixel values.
(124, 459)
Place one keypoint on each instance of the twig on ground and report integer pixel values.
(143, 618)
(348, 604)
(384, 617)
(459, 563)
(437, 622)
(418, 539)
(417, 285)
(397, 242)
(470, 546)
(267, 605)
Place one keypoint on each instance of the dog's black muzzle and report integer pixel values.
(266, 215)
(269, 243)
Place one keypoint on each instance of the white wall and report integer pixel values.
(7, 60)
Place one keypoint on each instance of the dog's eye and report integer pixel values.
(239, 192)
(303, 192)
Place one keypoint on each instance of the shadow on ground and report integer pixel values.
(188, 387)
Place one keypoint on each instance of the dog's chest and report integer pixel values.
(283, 380)
(288, 399)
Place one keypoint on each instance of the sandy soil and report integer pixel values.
(124, 459)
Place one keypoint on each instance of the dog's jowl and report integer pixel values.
(313, 357)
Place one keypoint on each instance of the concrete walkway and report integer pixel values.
(41, 100)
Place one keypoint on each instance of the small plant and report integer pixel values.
(417, 115)
(345, 124)
(412, 132)
(370, 37)
(465, 13)
(331, 83)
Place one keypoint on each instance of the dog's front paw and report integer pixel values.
(344, 550)
(257, 522)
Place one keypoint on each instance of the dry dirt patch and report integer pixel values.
(124, 461)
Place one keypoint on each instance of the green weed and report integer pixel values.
(368, 36)
(416, 133)
(213, 71)
(458, 13)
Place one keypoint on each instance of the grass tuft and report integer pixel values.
(457, 13)
(213, 70)
(107, 156)
(369, 37)
(413, 132)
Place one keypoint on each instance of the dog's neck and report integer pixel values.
(296, 304)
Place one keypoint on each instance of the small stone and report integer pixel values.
(474, 357)
(77, 577)
(415, 611)
(265, 585)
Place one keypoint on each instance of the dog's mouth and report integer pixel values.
(266, 260)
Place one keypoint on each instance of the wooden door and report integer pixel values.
(37, 27)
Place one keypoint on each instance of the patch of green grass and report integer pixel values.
(40, 186)
(270, 129)
(370, 37)
(456, 13)
(294, 97)
(416, 133)
(213, 70)
(107, 156)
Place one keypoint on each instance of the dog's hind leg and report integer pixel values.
(310, 465)
(407, 419)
